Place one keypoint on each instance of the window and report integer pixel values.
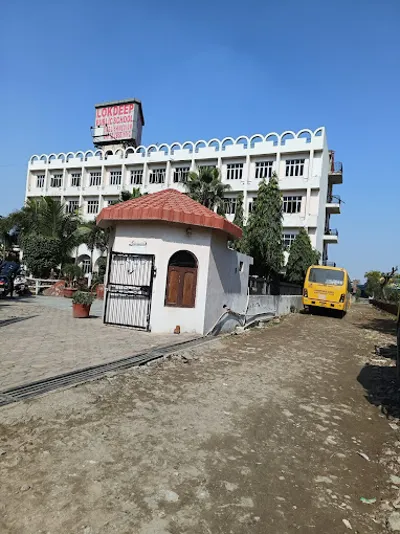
(263, 169)
(112, 202)
(85, 266)
(230, 205)
(137, 177)
(95, 178)
(40, 181)
(295, 167)
(181, 280)
(252, 204)
(72, 206)
(92, 206)
(157, 176)
(115, 177)
(76, 179)
(56, 180)
(181, 174)
(234, 171)
(330, 277)
(291, 204)
(288, 239)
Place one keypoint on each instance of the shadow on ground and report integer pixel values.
(385, 325)
(12, 320)
(381, 388)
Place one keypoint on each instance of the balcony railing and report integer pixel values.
(336, 166)
(331, 231)
(334, 199)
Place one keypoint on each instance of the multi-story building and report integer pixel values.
(306, 169)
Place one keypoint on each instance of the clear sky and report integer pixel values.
(214, 69)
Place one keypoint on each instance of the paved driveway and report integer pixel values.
(40, 338)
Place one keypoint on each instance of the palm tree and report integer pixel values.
(205, 186)
(47, 218)
(126, 195)
(95, 237)
(6, 236)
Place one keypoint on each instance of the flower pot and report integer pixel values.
(80, 311)
(100, 291)
(69, 292)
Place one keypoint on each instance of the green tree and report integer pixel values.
(41, 254)
(205, 186)
(373, 286)
(301, 257)
(47, 218)
(126, 195)
(7, 237)
(263, 232)
(238, 244)
(95, 238)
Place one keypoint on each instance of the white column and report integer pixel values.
(168, 177)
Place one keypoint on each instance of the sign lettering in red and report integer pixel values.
(117, 121)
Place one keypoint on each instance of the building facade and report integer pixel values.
(306, 169)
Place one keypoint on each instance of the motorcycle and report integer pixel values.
(20, 284)
(4, 286)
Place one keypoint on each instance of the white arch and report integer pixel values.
(308, 133)
(151, 148)
(35, 157)
(198, 143)
(214, 140)
(253, 139)
(191, 146)
(99, 153)
(69, 156)
(319, 131)
(80, 155)
(129, 150)
(89, 154)
(273, 134)
(245, 138)
(141, 149)
(119, 152)
(288, 132)
(226, 140)
(61, 156)
(175, 144)
(161, 148)
(50, 157)
(43, 157)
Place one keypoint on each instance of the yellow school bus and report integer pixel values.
(327, 287)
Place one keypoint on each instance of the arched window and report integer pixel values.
(181, 280)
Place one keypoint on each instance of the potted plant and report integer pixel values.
(72, 273)
(98, 277)
(81, 302)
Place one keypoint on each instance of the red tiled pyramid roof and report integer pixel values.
(171, 206)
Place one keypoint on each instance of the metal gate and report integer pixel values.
(129, 288)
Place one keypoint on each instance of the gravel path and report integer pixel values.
(272, 431)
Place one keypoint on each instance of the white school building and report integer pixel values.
(306, 169)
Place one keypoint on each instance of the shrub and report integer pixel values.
(83, 297)
(41, 254)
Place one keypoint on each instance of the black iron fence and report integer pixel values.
(259, 286)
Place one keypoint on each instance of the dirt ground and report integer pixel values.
(273, 431)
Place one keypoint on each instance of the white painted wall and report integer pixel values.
(227, 280)
(163, 240)
(219, 278)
